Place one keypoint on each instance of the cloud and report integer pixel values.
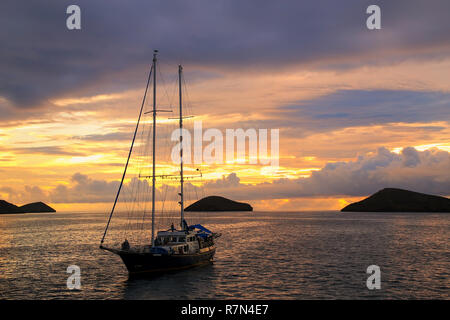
(84, 190)
(50, 150)
(113, 136)
(350, 108)
(411, 158)
(422, 171)
(230, 181)
(44, 60)
(26, 195)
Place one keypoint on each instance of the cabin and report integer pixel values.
(178, 242)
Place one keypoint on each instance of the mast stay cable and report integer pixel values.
(129, 155)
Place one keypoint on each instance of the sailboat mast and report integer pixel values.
(153, 145)
(180, 70)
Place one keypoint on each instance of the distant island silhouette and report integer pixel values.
(216, 203)
(6, 207)
(399, 200)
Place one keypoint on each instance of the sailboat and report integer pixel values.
(175, 247)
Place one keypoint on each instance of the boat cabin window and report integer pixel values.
(162, 240)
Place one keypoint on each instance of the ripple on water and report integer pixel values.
(278, 255)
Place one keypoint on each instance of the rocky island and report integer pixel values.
(6, 207)
(216, 203)
(399, 200)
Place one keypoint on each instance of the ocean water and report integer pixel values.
(261, 255)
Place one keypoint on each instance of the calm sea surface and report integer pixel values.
(261, 255)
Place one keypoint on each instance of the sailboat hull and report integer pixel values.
(137, 263)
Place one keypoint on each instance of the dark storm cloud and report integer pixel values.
(347, 108)
(40, 59)
(354, 108)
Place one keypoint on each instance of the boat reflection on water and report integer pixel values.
(172, 284)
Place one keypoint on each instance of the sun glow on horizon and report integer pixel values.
(90, 134)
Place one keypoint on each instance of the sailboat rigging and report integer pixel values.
(173, 248)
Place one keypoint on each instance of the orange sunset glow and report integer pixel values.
(351, 120)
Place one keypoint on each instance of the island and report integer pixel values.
(36, 207)
(216, 203)
(399, 200)
(6, 207)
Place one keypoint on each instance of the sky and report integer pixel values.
(357, 110)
